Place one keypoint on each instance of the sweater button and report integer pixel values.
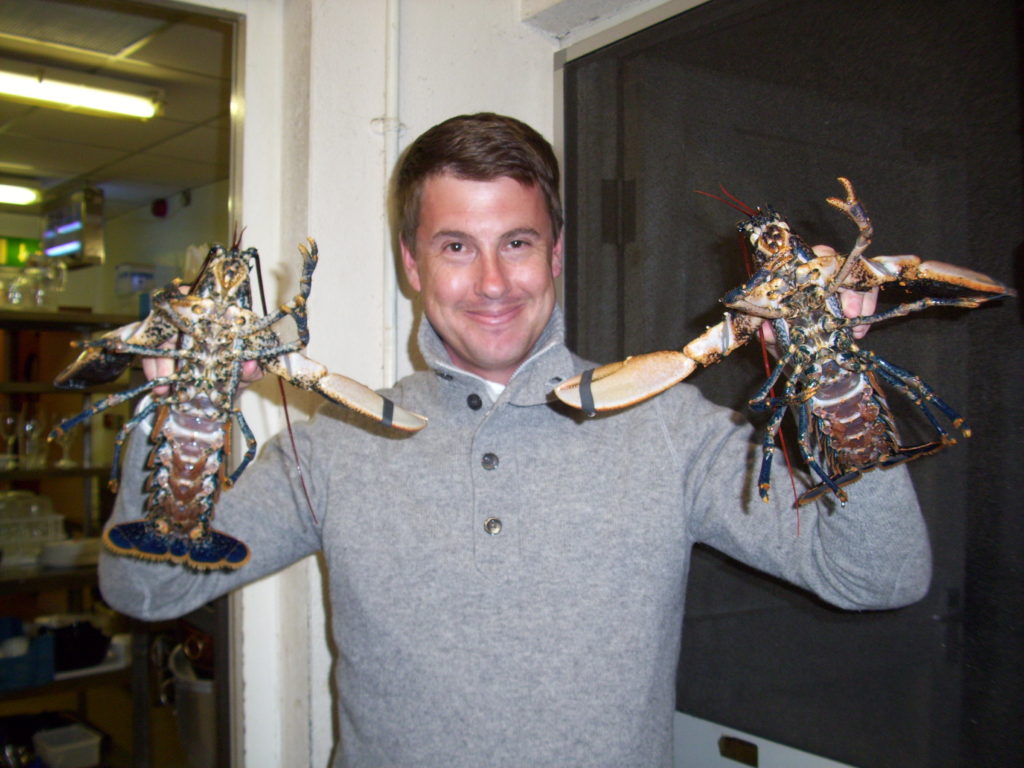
(474, 401)
(492, 526)
(489, 461)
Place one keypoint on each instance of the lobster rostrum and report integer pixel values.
(209, 330)
(833, 386)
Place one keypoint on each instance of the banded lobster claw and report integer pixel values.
(637, 378)
(309, 374)
(617, 385)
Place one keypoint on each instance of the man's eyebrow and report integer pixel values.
(458, 234)
(519, 231)
(450, 233)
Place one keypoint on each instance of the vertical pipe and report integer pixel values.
(391, 126)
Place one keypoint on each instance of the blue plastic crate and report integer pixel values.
(33, 668)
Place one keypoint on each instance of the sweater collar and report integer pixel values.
(548, 363)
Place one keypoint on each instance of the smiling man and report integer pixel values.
(507, 586)
(484, 258)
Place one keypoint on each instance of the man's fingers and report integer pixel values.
(856, 304)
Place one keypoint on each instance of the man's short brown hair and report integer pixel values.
(481, 147)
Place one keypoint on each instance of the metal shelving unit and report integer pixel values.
(36, 579)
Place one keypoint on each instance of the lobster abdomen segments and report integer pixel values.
(186, 476)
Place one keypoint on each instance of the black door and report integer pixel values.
(918, 104)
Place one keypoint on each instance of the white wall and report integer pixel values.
(328, 106)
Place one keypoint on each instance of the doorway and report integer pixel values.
(918, 104)
(167, 183)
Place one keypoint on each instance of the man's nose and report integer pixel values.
(492, 280)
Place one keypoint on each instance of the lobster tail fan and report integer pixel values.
(213, 551)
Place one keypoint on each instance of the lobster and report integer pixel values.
(833, 386)
(209, 329)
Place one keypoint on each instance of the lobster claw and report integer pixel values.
(638, 378)
(98, 363)
(617, 385)
(311, 375)
(909, 270)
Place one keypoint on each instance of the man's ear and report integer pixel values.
(557, 255)
(412, 272)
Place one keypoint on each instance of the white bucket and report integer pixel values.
(195, 711)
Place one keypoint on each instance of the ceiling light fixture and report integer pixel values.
(73, 92)
(11, 194)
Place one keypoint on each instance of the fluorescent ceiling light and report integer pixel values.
(15, 195)
(40, 88)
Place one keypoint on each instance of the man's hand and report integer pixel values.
(156, 367)
(855, 303)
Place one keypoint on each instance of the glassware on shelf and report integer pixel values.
(21, 293)
(51, 281)
(9, 432)
(65, 440)
(31, 443)
(37, 284)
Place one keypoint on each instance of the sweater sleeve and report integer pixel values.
(266, 510)
(871, 553)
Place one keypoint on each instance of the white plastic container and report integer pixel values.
(70, 746)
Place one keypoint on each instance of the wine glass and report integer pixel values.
(64, 439)
(9, 432)
(31, 444)
(53, 280)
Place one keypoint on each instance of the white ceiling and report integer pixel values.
(134, 162)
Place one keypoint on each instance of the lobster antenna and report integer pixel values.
(284, 396)
(732, 201)
(236, 239)
(259, 280)
(202, 270)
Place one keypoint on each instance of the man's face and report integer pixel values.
(485, 263)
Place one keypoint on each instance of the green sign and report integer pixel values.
(16, 250)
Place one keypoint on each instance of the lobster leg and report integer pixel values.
(901, 310)
(762, 398)
(808, 454)
(250, 447)
(297, 306)
(852, 207)
(920, 394)
(108, 402)
(768, 445)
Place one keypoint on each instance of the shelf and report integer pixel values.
(76, 581)
(36, 578)
(44, 388)
(49, 473)
(80, 683)
(61, 321)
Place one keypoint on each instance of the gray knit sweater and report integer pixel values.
(507, 585)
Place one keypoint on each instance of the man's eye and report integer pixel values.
(455, 247)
